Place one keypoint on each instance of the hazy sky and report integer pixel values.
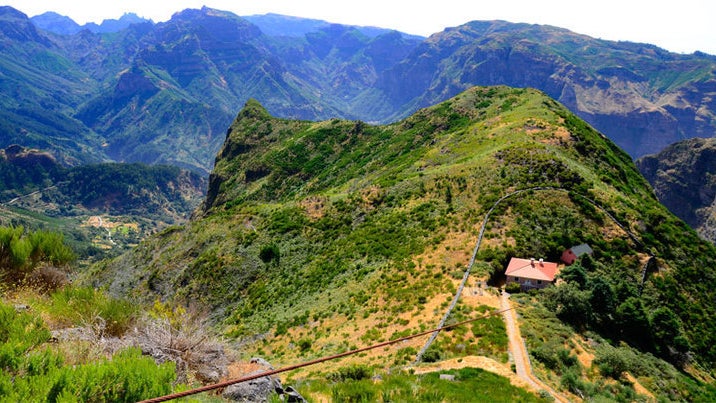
(680, 26)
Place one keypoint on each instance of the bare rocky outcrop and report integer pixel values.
(257, 390)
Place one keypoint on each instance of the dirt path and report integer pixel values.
(518, 350)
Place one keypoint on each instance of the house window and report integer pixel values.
(539, 281)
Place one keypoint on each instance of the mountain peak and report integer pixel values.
(254, 110)
(225, 26)
(15, 26)
(9, 13)
(203, 12)
(116, 25)
(57, 23)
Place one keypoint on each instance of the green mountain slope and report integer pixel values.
(642, 97)
(134, 199)
(361, 233)
(39, 88)
(683, 177)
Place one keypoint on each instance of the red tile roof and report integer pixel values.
(532, 269)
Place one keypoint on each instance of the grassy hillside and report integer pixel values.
(317, 237)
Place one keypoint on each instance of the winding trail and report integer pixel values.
(518, 350)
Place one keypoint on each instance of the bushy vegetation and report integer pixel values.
(611, 304)
(32, 371)
(470, 384)
(554, 346)
(83, 306)
(351, 373)
(22, 253)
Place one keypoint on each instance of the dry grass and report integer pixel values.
(639, 388)
(314, 207)
(187, 341)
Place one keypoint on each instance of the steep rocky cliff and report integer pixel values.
(684, 179)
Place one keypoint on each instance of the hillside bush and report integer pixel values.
(353, 373)
(432, 354)
(126, 377)
(513, 288)
(21, 252)
(19, 333)
(270, 253)
(85, 306)
(31, 372)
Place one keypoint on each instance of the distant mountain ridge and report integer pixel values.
(641, 96)
(163, 93)
(62, 25)
(273, 24)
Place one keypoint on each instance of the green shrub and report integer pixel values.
(127, 377)
(304, 345)
(270, 253)
(571, 380)
(19, 333)
(82, 306)
(353, 372)
(432, 354)
(513, 288)
(612, 362)
(22, 252)
(371, 335)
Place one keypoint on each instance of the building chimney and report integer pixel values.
(541, 262)
(532, 261)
